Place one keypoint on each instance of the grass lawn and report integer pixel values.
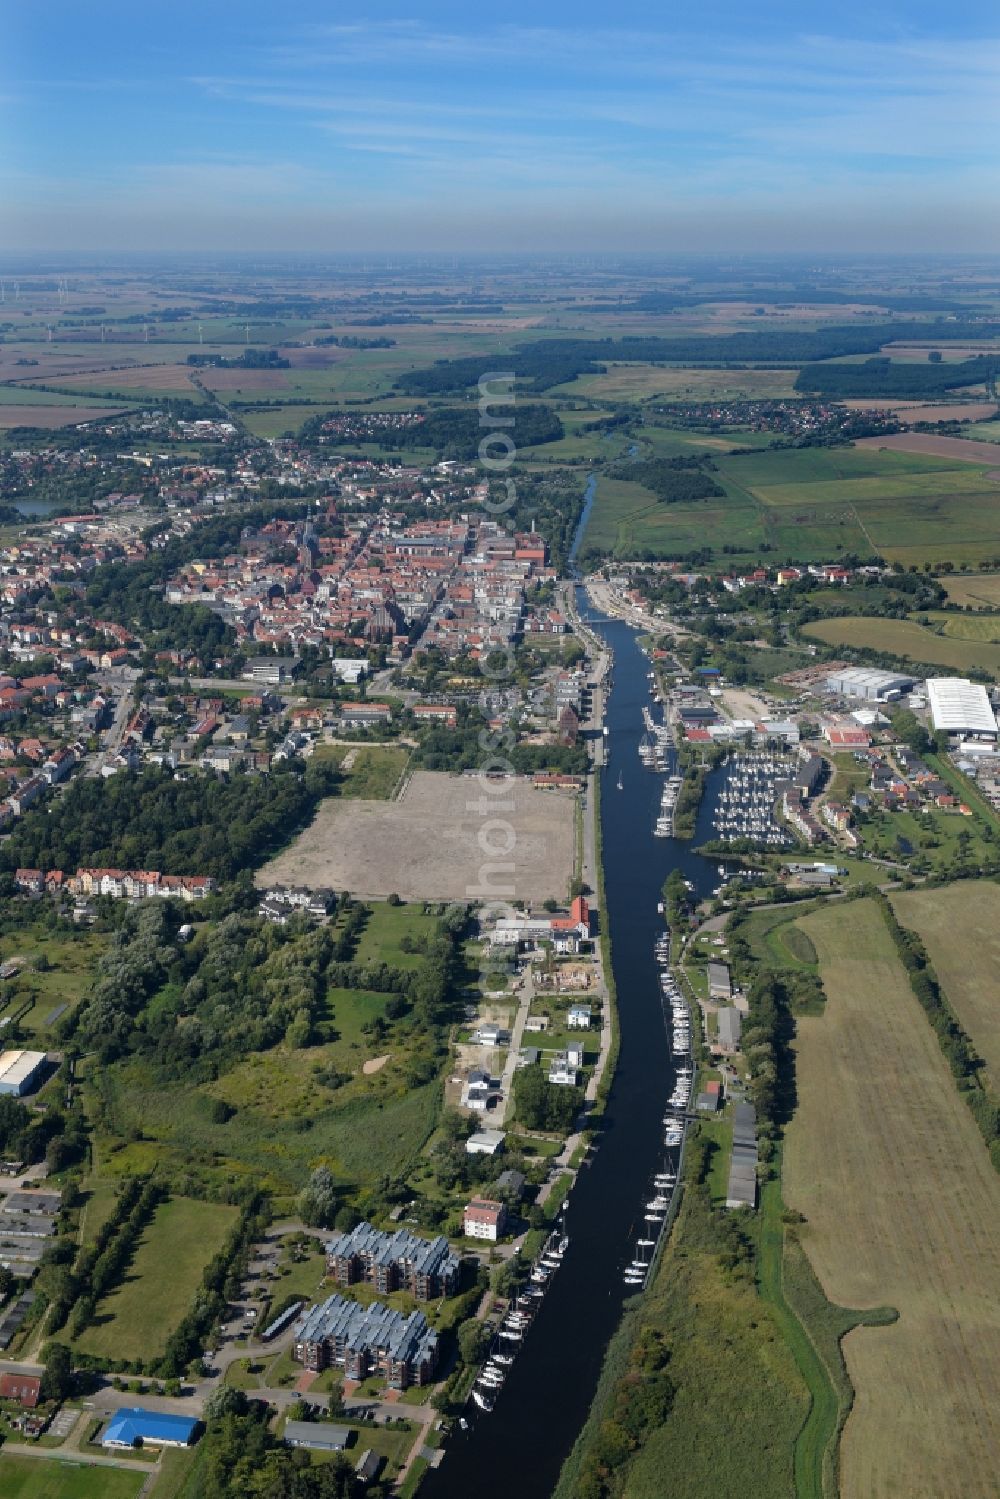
(719, 1132)
(385, 927)
(960, 927)
(175, 1465)
(99, 1198)
(902, 1208)
(39, 1478)
(928, 839)
(136, 1319)
(777, 940)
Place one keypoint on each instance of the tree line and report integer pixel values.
(549, 361)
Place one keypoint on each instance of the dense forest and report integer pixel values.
(538, 366)
(674, 481)
(889, 377)
(200, 825)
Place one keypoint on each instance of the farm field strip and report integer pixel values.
(51, 417)
(902, 1207)
(968, 627)
(959, 925)
(905, 638)
(927, 443)
(981, 590)
(864, 491)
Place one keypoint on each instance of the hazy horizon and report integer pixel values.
(224, 130)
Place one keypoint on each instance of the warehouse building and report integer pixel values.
(20, 1071)
(868, 683)
(317, 1436)
(742, 1189)
(720, 984)
(961, 707)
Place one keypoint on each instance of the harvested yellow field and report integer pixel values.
(903, 1209)
(960, 928)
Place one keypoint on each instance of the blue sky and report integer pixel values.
(248, 124)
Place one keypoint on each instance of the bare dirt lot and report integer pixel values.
(925, 442)
(436, 843)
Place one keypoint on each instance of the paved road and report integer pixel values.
(91, 1459)
(111, 740)
(527, 994)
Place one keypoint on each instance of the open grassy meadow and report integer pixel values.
(960, 927)
(908, 640)
(287, 1118)
(902, 1208)
(58, 1478)
(371, 771)
(645, 382)
(136, 1319)
(55, 969)
(362, 1095)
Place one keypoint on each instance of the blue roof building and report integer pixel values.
(130, 1424)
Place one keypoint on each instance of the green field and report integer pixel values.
(960, 927)
(373, 770)
(804, 504)
(136, 1319)
(973, 590)
(362, 1094)
(57, 969)
(967, 626)
(56, 1478)
(641, 382)
(908, 640)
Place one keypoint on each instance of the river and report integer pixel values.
(519, 1448)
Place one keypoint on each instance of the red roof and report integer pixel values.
(697, 736)
(846, 738)
(23, 1387)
